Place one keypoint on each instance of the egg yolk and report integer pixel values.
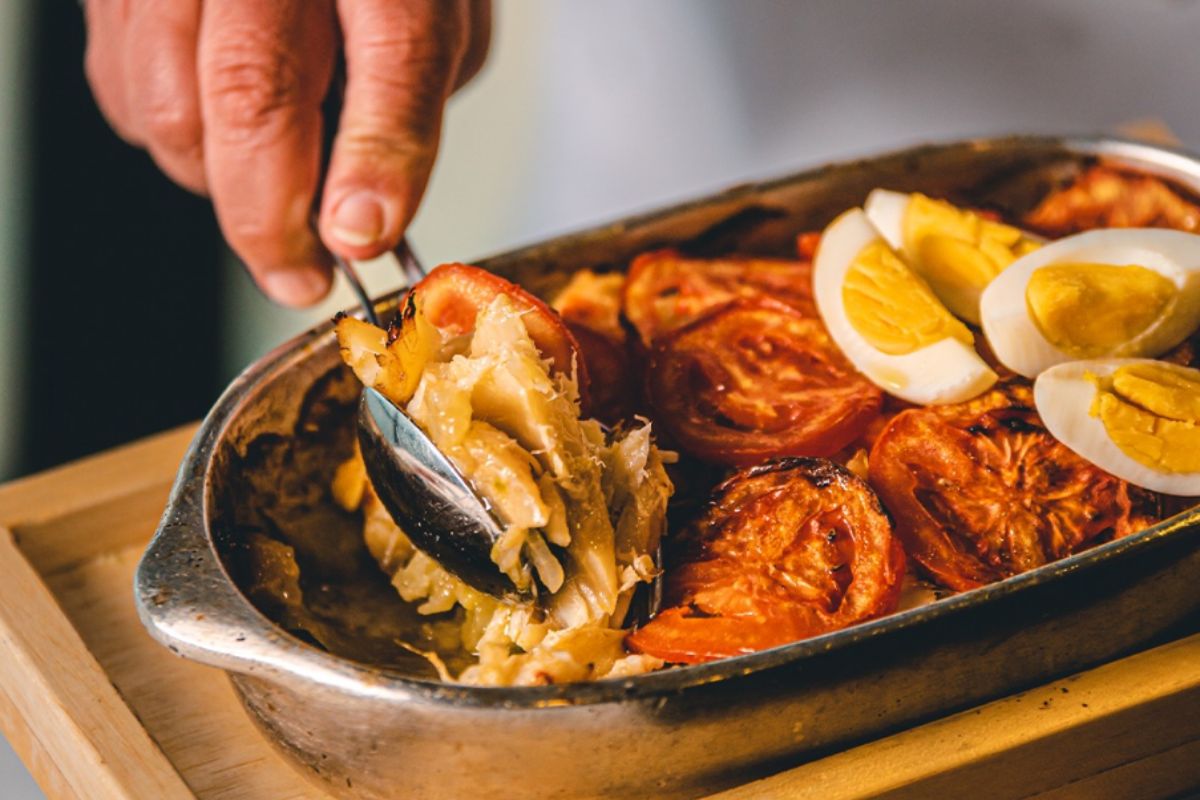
(1089, 310)
(959, 252)
(1151, 411)
(892, 308)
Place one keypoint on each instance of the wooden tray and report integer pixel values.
(97, 709)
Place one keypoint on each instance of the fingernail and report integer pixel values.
(359, 219)
(295, 287)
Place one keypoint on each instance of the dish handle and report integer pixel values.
(187, 601)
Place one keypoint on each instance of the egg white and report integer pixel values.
(947, 371)
(1015, 337)
(1063, 397)
(886, 209)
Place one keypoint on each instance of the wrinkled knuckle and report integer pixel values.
(430, 46)
(431, 54)
(409, 110)
(413, 149)
(253, 85)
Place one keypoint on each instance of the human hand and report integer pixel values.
(226, 95)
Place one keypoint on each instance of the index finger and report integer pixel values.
(264, 67)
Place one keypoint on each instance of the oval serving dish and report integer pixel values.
(261, 464)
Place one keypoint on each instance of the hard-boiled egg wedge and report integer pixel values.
(1116, 292)
(1137, 419)
(887, 320)
(957, 252)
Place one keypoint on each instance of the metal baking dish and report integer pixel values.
(258, 465)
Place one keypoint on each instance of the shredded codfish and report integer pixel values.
(583, 510)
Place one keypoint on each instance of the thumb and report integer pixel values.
(401, 62)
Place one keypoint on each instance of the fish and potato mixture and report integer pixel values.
(926, 399)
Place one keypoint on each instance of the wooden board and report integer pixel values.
(92, 704)
(96, 709)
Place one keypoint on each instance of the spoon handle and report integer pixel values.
(406, 261)
(364, 299)
(414, 270)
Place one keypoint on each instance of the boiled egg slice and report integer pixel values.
(958, 252)
(1121, 292)
(1136, 419)
(888, 322)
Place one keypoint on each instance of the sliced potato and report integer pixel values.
(363, 347)
(391, 362)
(414, 342)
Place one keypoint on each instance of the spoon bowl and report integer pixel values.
(427, 496)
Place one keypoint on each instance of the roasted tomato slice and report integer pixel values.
(784, 551)
(755, 379)
(981, 491)
(1103, 197)
(452, 294)
(665, 290)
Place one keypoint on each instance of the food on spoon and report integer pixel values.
(453, 294)
(756, 379)
(956, 251)
(1137, 419)
(390, 361)
(1105, 197)
(981, 490)
(1108, 293)
(496, 392)
(786, 550)
(666, 290)
(887, 320)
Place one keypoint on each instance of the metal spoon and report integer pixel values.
(424, 492)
